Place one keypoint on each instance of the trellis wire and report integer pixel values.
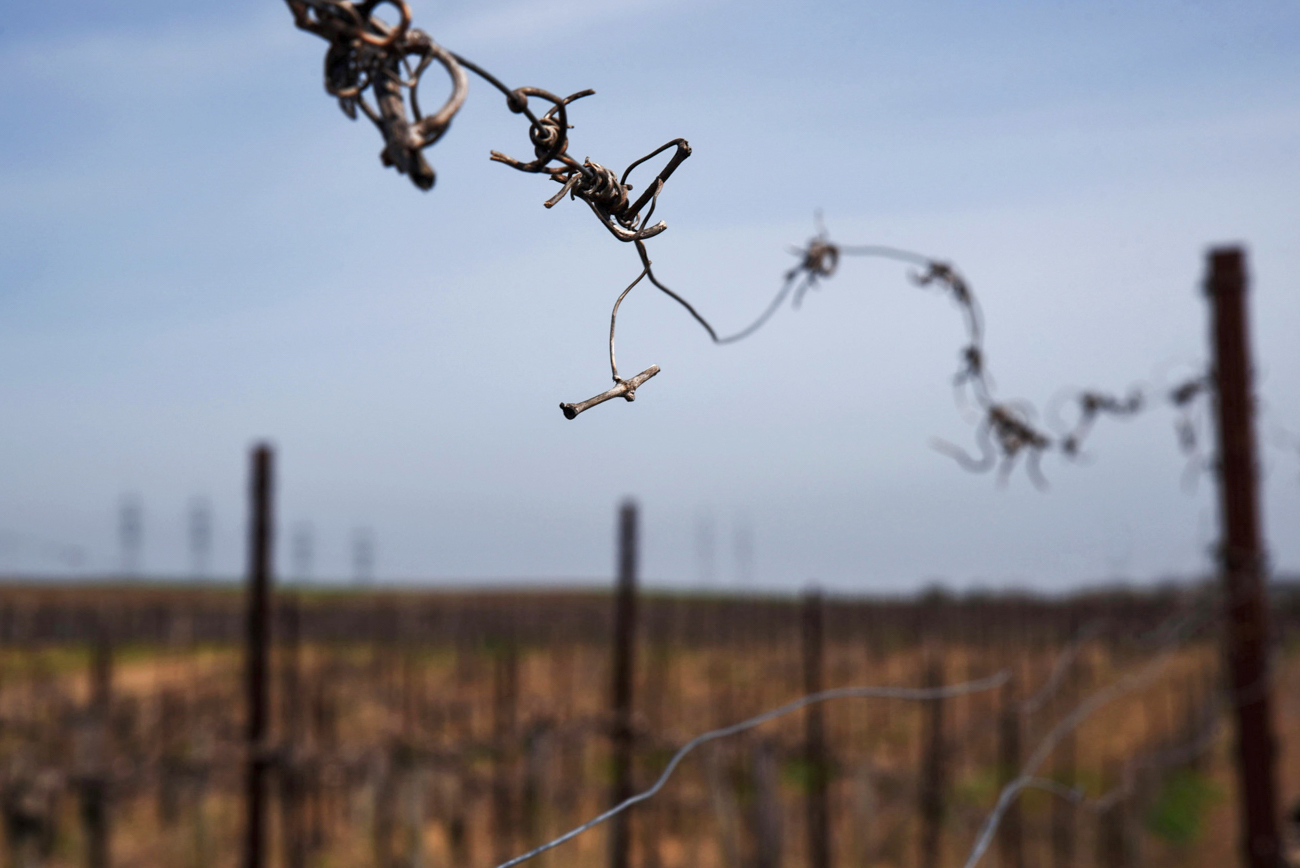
(1174, 756)
(908, 693)
(371, 59)
(1026, 778)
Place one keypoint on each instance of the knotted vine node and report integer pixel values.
(375, 66)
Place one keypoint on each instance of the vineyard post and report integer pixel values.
(171, 741)
(94, 787)
(657, 624)
(818, 817)
(1246, 630)
(505, 726)
(1066, 772)
(932, 766)
(624, 667)
(1011, 852)
(291, 769)
(765, 813)
(257, 651)
(1115, 843)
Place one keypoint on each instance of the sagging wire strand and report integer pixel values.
(1206, 736)
(1006, 430)
(375, 67)
(920, 694)
(1167, 639)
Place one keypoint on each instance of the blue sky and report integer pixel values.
(197, 249)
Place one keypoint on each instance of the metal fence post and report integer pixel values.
(624, 669)
(817, 767)
(1011, 852)
(932, 767)
(1246, 630)
(257, 653)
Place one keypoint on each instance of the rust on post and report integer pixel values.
(257, 655)
(1246, 628)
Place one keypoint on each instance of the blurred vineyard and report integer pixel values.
(440, 729)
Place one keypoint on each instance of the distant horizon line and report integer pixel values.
(604, 585)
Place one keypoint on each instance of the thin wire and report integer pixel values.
(613, 319)
(1127, 684)
(885, 253)
(368, 54)
(1172, 756)
(910, 693)
(1063, 664)
(1162, 759)
(645, 260)
(766, 315)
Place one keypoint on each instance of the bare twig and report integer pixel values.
(625, 389)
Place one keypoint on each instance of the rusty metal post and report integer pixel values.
(1116, 844)
(765, 813)
(818, 814)
(94, 783)
(1011, 850)
(257, 653)
(505, 737)
(624, 668)
(292, 770)
(1066, 772)
(932, 768)
(1246, 631)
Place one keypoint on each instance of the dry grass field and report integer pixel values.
(409, 748)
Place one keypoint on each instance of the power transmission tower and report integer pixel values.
(363, 556)
(743, 549)
(200, 527)
(706, 550)
(130, 534)
(302, 546)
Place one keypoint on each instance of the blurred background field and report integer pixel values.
(438, 729)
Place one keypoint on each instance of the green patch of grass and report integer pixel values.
(1178, 813)
(977, 788)
(804, 775)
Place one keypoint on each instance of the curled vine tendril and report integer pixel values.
(375, 67)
